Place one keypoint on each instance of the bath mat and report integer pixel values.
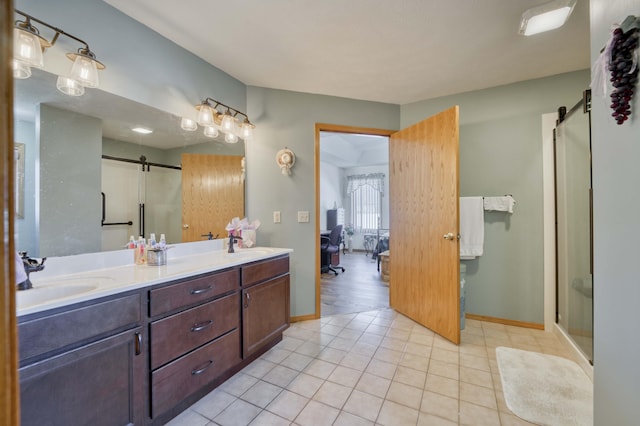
(545, 389)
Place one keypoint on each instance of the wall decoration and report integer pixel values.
(285, 159)
(621, 61)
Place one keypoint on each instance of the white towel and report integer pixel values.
(471, 227)
(499, 204)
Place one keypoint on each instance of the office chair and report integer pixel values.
(328, 246)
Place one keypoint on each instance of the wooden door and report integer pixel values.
(423, 207)
(212, 194)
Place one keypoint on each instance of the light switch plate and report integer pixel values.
(303, 216)
(276, 217)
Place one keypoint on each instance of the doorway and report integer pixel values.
(353, 186)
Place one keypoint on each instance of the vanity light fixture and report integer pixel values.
(215, 121)
(546, 17)
(28, 48)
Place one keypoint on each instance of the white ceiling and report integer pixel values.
(378, 50)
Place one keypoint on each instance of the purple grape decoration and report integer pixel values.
(624, 72)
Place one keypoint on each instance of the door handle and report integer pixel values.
(449, 236)
(185, 226)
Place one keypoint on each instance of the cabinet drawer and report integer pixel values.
(177, 380)
(60, 330)
(178, 334)
(175, 296)
(261, 271)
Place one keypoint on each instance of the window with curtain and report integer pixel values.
(365, 193)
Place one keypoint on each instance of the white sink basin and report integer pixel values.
(39, 295)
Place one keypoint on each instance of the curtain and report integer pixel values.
(365, 192)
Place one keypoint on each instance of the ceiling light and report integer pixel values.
(142, 130)
(546, 17)
(213, 121)
(28, 50)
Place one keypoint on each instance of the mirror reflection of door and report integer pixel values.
(212, 194)
(423, 189)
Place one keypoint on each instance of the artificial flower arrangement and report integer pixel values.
(244, 229)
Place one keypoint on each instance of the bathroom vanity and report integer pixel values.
(143, 351)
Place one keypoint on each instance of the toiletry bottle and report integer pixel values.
(152, 240)
(142, 252)
(163, 241)
(132, 243)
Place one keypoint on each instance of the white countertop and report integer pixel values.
(73, 279)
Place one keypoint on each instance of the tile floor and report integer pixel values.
(371, 368)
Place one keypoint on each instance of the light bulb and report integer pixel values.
(228, 123)
(211, 132)
(84, 71)
(27, 48)
(69, 86)
(247, 130)
(188, 124)
(230, 138)
(20, 69)
(205, 115)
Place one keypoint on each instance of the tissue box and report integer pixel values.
(248, 238)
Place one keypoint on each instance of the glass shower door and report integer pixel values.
(574, 227)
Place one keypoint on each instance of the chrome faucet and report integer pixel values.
(232, 239)
(30, 265)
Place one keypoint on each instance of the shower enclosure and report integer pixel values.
(139, 198)
(574, 284)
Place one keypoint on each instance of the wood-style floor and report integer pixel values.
(359, 288)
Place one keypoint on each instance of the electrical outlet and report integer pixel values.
(276, 217)
(303, 217)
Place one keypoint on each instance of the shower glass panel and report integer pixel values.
(574, 227)
(125, 187)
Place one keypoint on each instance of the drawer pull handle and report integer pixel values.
(201, 369)
(202, 325)
(201, 290)
(138, 343)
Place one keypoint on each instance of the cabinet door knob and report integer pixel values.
(138, 349)
(246, 304)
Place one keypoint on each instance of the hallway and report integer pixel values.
(359, 288)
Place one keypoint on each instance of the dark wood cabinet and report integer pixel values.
(101, 383)
(141, 357)
(265, 303)
(265, 313)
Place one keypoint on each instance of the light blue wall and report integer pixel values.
(25, 132)
(616, 203)
(501, 153)
(69, 183)
(287, 119)
(331, 190)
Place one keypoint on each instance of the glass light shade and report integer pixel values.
(20, 69)
(231, 138)
(85, 71)
(27, 48)
(211, 132)
(546, 17)
(246, 130)
(69, 86)
(188, 124)
(205, 115)
(228, 123)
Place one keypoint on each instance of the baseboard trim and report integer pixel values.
(303, 318)
(505, 321)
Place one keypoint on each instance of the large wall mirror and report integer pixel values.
(84, 188)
